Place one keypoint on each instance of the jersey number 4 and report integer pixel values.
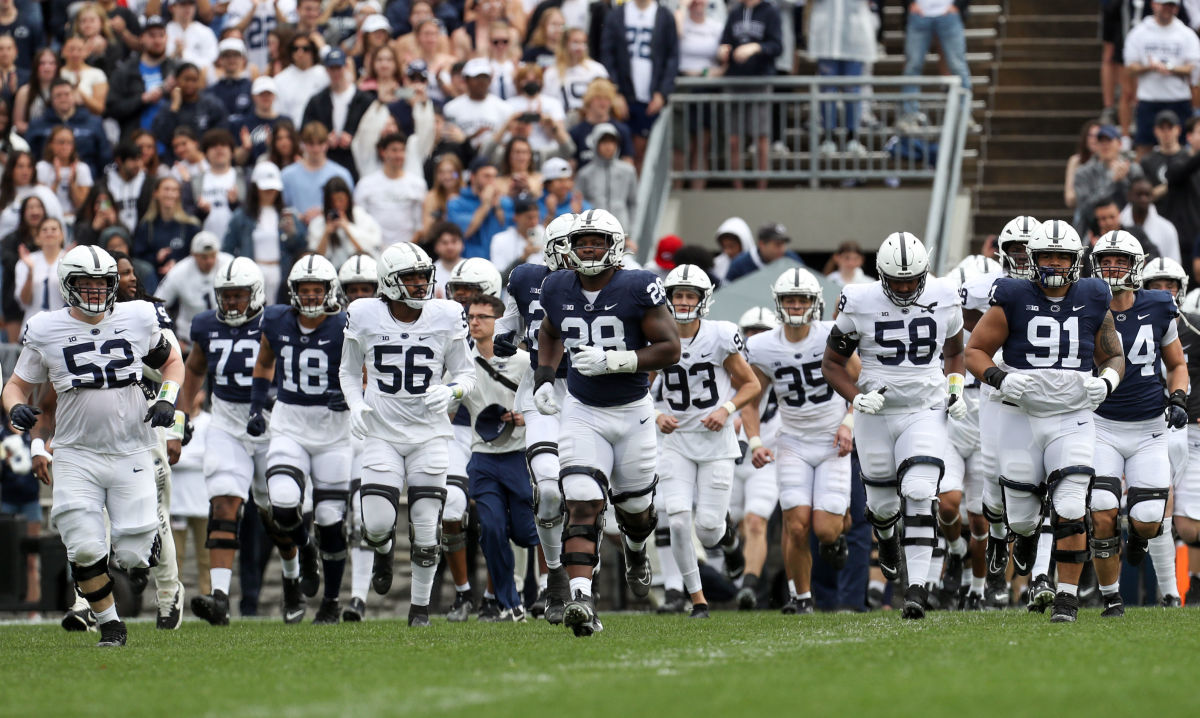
(414, 378)
(99, 378)
(675, 381)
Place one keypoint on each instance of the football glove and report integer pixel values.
(505, 345)
(589, 361)
(24, 416)
(1177, 417)
(161, 413)
(956, 407)
(358, 420)
(1014, 386)
(437, 398)
(544, 400)
(257, 424)
(871, 402)
(335, 400)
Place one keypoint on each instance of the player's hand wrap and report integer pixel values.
(956, 407)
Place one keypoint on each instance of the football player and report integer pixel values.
(408, 341)
(225, 345)
(901, 326)
(359, 277)
(1053, 331)
(299, 351)
(469, 279)
(615, 324)
(815, 438)
(1131, 431)
(522, 319)
(700, 444)
(92, 351)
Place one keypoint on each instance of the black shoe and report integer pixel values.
(1041, 594)
(637, 570)
(933, 598)
(996, 556)
(381, 571)
(675, 602)
(952, 575)
(1114, 606)
(112, 634)
(170, 614)
(735, 563)
(79, 620)
(1170, 602)
(891, 560)
(213, 607)
(294, 605)
(804, 606)
(699, 610)
(790, 607)
(537, 609)
(516, 614)
(418, 616)
(1024, 553)
(1192, 597)
(747, 599)
(1066, 608)
(138, 578)
(1135, 549)
(355, 611)
(915, 599)
(974, 602)
(329, 613)
(558, 592)
(310, 569)
(580, 615)
(489, 610)
(836, 553)
(874, 599)
(463, 606)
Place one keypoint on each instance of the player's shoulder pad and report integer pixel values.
(853, 296)
(161, 315)
(761, 341)
(531, 274)
(557, 281)
(447, 315)
(1162, 301)
(202, 324)
(1096, 289)
(37, 328)
(728, 334)
(941, 290)
(1007, 289)
(139, 310)
(644, 286)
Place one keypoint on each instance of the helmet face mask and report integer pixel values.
(233, 304)
(406, 275)
(1163, 269)
(689, 293)
(309, 301)
(756, 320)
(360, 290)
(238, 289)
(790, 291)
(600, 238)
(1011, 246)
(417, 285)
(902, 264)
(359, 277)
(1117, 258)
(558, 246)
(1057, 241)
(88, 280)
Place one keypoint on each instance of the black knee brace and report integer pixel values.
(84, 573)
(541, 447)
(426, 556)
(1038, 490)
(637, 526)
(591, 532)
(463, 484)
(288, 519)
(993, 518)
(914, 460)
(331, 541)
(597, 475)
(662, 536)
(1137, 495)
(233, 526)
(920, 521)
(1106, 547)
(279, 537)
(452, 542)
(880, 523)
(1065, 529)
(390, 493)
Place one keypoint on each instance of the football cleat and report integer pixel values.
(915, 599)
(1170, 602)
(329, 613)
(516, 614)
(952, 576)
(418, 616)
(637, 570)
(489, 610)
(836, 553)
(735, 562)
(891, 560)
(294, 605)
(699, 610)
(1024, 553)
(537, 609)
(355, 611)
(112, 634)
(558, 592)
(213, 607)
(790, 608)
(874, 598)
(138, 578)
(804, 606)
(170, 612)
(80, 617)
(580, 615)
(1135, 549)
(1066, 608)
(747, 599)
(310, 569)
(675, 602)
(1114, 605)
(1192, 597)
(1041, 594)
(974, 602)
(462, 608)
(381, 571)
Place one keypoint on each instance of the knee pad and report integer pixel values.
(282, 477)
(883, 500)
(233, 526)
(548, 504)
(637, 525)
(711, 529)
(636, 501)
(424, 516)
(1105, 494)
(542, 460)
(1069, 488)
(593, 532)
(882, 523)
(1147, 505)
(457, 504)
(583, 483)
(88, 572)
(331, 541)
(1065, 528)
(329, 506)
(921, 485)
(1024, 497)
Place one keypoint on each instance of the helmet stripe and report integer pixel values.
(685, 272)
(95, 257)
(903, 253)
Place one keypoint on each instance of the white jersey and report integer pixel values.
(46, 295)
(396, 204)
(698, 384)
(255, 34)
(807, 404)
(192, 289)
(489, 390)
(901, 347)
(95, 369)
(402, 361)
(573, 84)
(639, 34)
(198, 41)
(214, 189)
(470, 116)
(125, 196)
(976, 293)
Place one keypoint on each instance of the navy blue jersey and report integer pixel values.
(613, 321)
(525, 287)
(1045, 333)
(1144, 328)
(230, 353)
(164, 319)
(306, 364)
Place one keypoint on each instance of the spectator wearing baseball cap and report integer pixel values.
(1162, 52)
(1106, 174)
(480, 210)
(188, 286)
(1176, 201)
(522, 242)
(477, 113)
(252, 128)
(606, 181)
(772, 245)
(664, 259)
(140, 82)
(339, 107)
(264, 231)
(233, 87)
(559, 195)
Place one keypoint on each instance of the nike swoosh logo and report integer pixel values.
(136, 471)
(421, 339)
(1155, 436)
(608, 307)
(1075, 308)
(118, 331)
(1143, 316)
(643, 421)
(291, 615)
(323, 342)
(1080, 423)
(705, 356)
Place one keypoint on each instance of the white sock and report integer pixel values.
(108, 614)
(467, 587)
(671, 578)
(361, 562)
(1068, 588)
(691, 580)
(958, 546)
(488, 594)
(806, 594)
(551, 540)
(1041, 561)
(917, 555)
(220, 578)
(422, 584)
(1110, 589)
(977, 585)
(1162, 553)
(543, 581)
(291, 566)
(877, 585)
(792, 589)
(583, 585)
(936, 559)
(634, 545)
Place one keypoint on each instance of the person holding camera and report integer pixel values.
(342, 230)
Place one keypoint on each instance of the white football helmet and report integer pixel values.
(477, 275)
(1016, 234)
(1120, 242)
(359, 269)
(315, 268)
(241, 273)
(601, 222)
(557, 244)
(689, 276)
(1166, 268)
(1055, 236)
(975, 265)
(757, 319)
(902, 258)
(402, 260)
(88, 261)
(798, 282)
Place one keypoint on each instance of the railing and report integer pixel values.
(692, 142)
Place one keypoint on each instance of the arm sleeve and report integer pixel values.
(350, 371)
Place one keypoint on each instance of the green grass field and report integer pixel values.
(1008, 663)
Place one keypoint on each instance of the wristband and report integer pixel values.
(1112, 378)
(37, 447)
(994, 376)
(456, 391)
(955, 383)
(658, 413)
(848, 421)
(755, 443)
(168, 392)
(730, 407)
(177, 429)
(543, 375)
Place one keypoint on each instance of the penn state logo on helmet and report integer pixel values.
(474, 276)
(593, 223)
(1166, 268)
(86, 262)
(1055, 237)
(1125, 260)
(798, 282)
(757, 319)
(406, 261)
(902, 258)
(315, 268)
(1011, 246)
(689, 276)
(241, 274)
(558, 245)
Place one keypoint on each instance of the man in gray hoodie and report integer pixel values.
(605, 182)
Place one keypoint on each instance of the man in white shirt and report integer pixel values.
(477, 113)
(218, 190)
(190, 282)
(524, 241)
(1161, 52)
(125, 179)
(394, 194)
(1141, 212)
(188, 40)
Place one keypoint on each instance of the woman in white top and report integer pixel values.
(500, 54)
(574, 70)
(342, 230)
(17, 183)
(33, 98)
(301, 80)
(699, 38)
(63, 173)
(36, 276)
(90, 83)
